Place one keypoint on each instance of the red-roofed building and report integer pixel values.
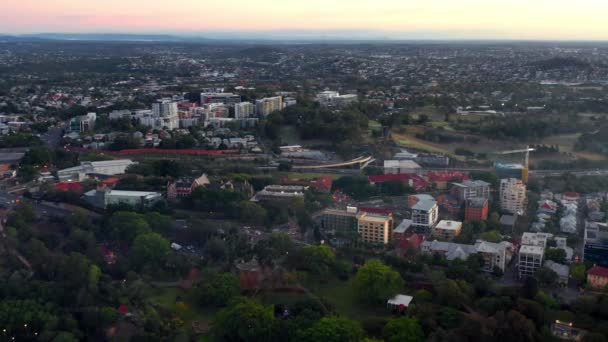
(597, 277)
(322, 184)
(380, 211)
(571, 196)
(64, 186)
(411, 179)
(110, 182)
(410, 244)
(441, 179)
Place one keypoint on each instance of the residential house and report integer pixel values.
(597, 277)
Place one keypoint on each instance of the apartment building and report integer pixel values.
(513, 196)
(470, 189)
(495, 255)
(374, 228)
(224, 98)
(447, 230)
(268, 105)
(339, 220)
(425, 215)
(244, 110)
(476, 209)
(530, 260)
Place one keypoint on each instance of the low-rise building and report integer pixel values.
(106, 168)
(184, 187)
(447, 230)
(401, 166)
(530, 260)
(103, 198)
(280, 193)
(562, 271)
(374, 228)
(495, 255)
(597, 277)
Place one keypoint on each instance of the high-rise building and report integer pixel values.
(244, 110)
(339, 220)
(375, 228)
(268, 105)
(513, 196)
(164, 108)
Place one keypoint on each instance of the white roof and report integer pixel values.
(532, 250)
(132, 193)
(403, 226)
(448, 225)
(400, 300)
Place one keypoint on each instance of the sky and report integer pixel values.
(392, 19)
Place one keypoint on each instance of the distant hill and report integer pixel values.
(105, 37)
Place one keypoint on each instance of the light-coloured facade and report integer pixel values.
(530, 260)
(374, 228)
(425, 215)
(495, 255)
(401, 166)
(447, 230)
(137, 199)
(244, 110)
(107, 168)
(513, 196)
(471, 189)
(268, 105)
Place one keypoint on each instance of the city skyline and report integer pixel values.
(341, 19)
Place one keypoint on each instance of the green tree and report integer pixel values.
(125, 226)
(332, 329)
(556, 254)
(317, 259)
(150, 248)
(244, 320)
(94, 275)
(221, 289)
(376, 282)
(403, 329)
(578, 272)
(252, 213)
(491, 236)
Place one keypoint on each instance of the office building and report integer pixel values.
(447, 230)
(530, 260)
(470, 189)
(476, 209)
(374, 228)
(339, 220)
(513, 196)
(244, 110)
(269, 105)
(595, 250)
(83, 123)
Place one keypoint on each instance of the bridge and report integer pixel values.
(361, 161)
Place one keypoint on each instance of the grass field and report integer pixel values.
(566, 142)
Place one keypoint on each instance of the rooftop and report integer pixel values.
(400, 300)
(598, 271)
(403, 226)
(424, 205)
(526, 249)
(449, 225)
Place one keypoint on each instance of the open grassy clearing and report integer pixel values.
(566, 142)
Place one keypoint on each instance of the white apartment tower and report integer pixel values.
(513, 196)
(244, 110)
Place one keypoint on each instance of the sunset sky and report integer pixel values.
(408, 19)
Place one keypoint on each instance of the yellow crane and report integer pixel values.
(526, 169)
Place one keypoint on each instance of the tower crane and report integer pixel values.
(527, 151)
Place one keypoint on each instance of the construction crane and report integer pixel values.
(526, 169)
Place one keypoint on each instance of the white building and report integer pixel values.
(495, 255)
(530, 260)
(401, 166)
(107, 167)
(513, 196)
(244, 110)
(137, 199)
(447, 230)
(164, 115)
(425, 215)
(535, 239)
